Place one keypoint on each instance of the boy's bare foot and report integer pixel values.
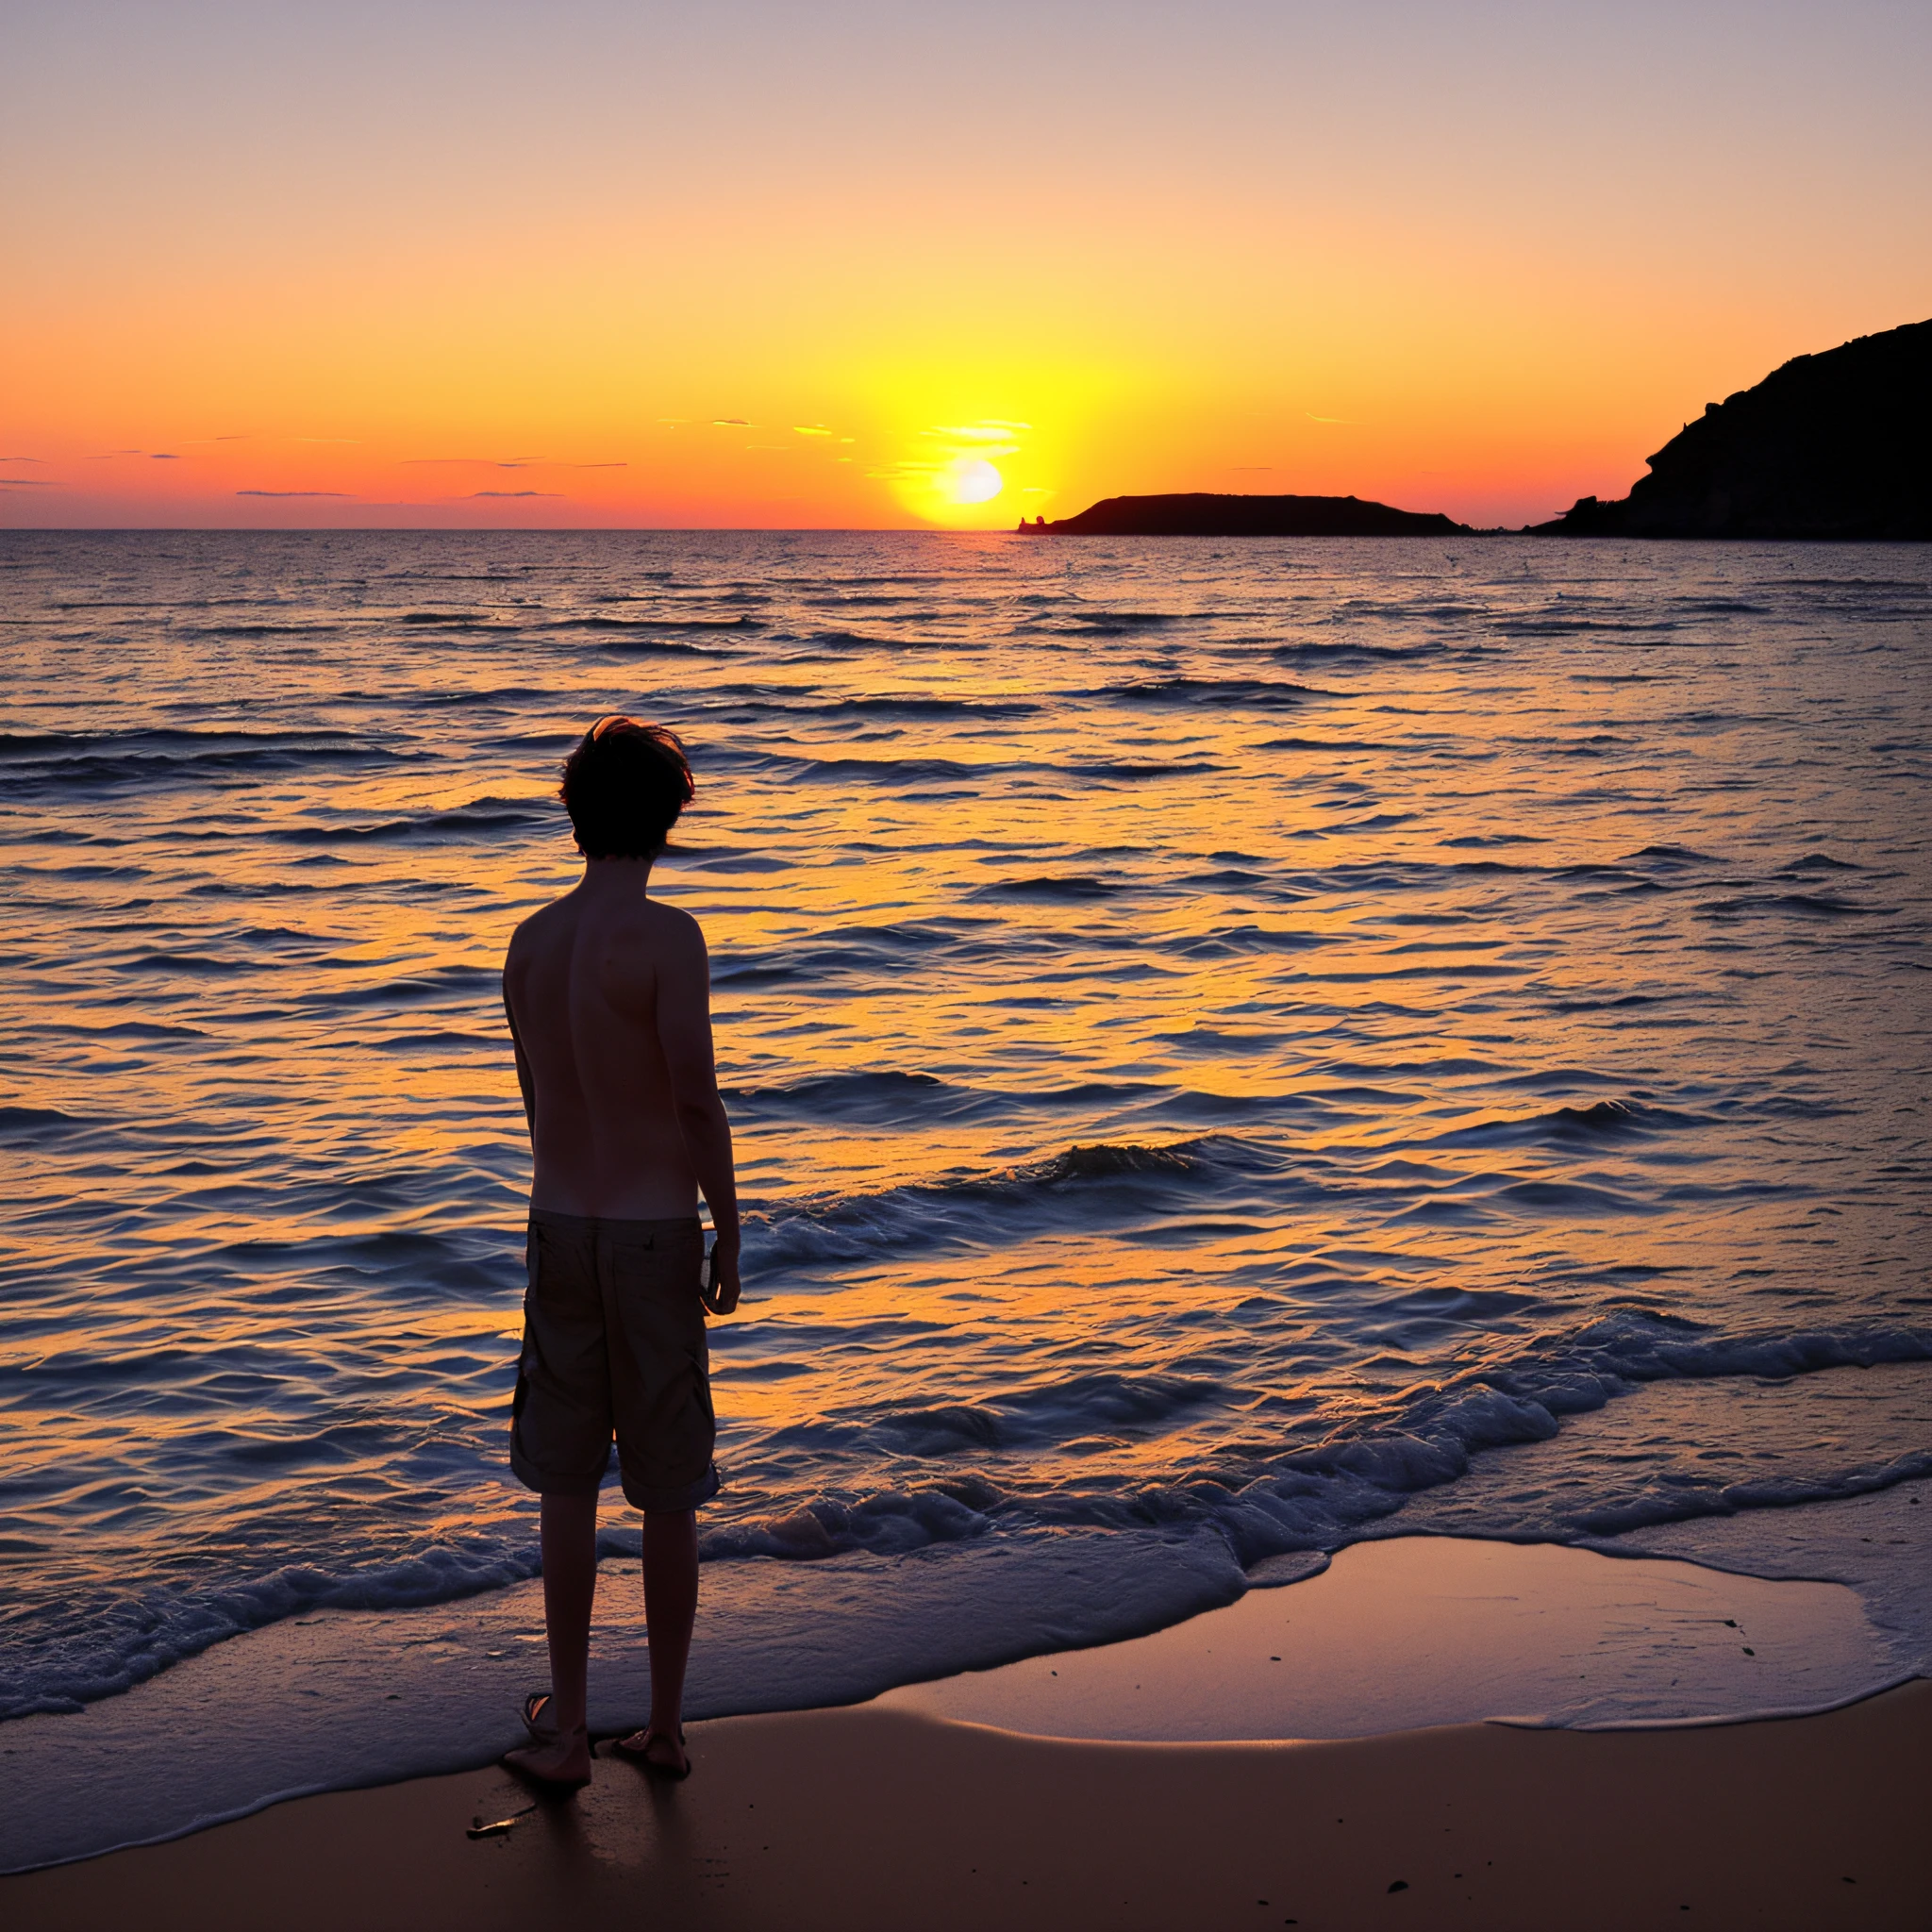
(657, 1751)
(564, 1763)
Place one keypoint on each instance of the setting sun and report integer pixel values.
(972, 479)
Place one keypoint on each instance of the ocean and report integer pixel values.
(1235, 1049)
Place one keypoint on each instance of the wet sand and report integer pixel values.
(1417, 1632)
(872, 1818)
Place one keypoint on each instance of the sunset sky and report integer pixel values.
(749, 264)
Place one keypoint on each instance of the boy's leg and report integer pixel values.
(671, 1607)
(570, 1585)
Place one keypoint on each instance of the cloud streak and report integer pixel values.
(994, 429)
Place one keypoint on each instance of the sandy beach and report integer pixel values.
(866, 1818)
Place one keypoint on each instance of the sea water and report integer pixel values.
(1234, 1048)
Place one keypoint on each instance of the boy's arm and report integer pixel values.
(684, 1031)
(526, 1082)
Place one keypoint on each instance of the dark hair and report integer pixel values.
(624, 787)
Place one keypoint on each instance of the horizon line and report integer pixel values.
(592, 530)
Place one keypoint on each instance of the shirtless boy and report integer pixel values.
(609, 998)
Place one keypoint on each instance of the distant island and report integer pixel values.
(1837, 445)
(1199, 513)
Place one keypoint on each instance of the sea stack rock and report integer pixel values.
(1199, 513)
(1837, 445)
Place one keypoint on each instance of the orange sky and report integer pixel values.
(754, 265)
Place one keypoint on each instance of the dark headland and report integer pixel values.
(1198, 513)
(1837, 445)
(1832, 446)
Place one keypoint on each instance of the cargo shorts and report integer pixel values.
(614, 1346)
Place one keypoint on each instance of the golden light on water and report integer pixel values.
(1179, 1005)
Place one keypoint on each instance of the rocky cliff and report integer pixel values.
(1833, 445)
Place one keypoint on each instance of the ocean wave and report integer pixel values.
(298, 629)
(1113, 622)
(679, 620)
(842, 640)
(1112, 1182)
(40, 1126)
(888, 1098)
(482, 818)
(839, 583)
(646, 645)
(455, 619)
(1669, 856)
(1116, 1404)
(1227, 943)
(32, 761)
(1319, 651)
(460, 985)
(132, 1641)
(1131, 771)
(1070, 888)
(878, 1099)
(836, 953)
(1800, 905)
(911, 771)
(1247, 693)
(902, 705)
(1600, 1121)
(1326, 1496)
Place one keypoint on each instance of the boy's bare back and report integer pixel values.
(608, 998)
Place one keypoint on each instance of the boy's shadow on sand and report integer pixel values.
(623, 1820)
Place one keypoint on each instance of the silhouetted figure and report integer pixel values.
(609, 998)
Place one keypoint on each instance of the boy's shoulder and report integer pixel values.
(639, 920)
(669, 932)
(534, 928)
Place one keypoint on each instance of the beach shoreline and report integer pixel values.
(1398, 1635)
(867, 1818)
